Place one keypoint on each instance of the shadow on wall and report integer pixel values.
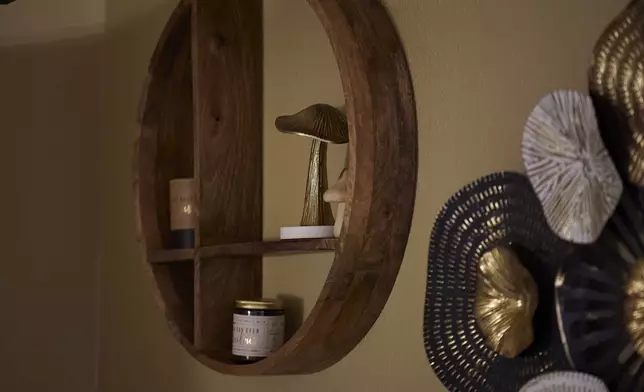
(50, 120)
(138, 351)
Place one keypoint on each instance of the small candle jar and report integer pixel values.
(258, 329)
(183, 213)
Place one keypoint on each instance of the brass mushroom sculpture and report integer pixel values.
(506, 299)
(324, 124)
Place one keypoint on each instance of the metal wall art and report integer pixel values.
(635, 306)
(498, 210)
(575, 225)
(569, 167)
(324, 124)
(593, 305)
(506, 299)
(617, 88)
(565, 382)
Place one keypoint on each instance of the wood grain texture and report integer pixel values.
(227, 52)
(164, 152)
(270, 247)
(261, 248)
(381, 181)
(172, 255)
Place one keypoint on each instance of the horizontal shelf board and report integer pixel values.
(247, 249)
(170, 255)
(270, 247)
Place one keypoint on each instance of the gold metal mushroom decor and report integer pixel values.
(634, 307)
(617, 87)
(506, 299)
(324, 124)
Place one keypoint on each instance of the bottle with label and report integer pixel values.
(258, 329)
(183, 213)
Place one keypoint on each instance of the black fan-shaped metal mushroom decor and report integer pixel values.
(500, 209)
(599, 303)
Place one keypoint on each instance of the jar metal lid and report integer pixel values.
(260, 304)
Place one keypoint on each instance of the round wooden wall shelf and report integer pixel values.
(202, 117)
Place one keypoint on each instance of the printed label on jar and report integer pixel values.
(257, 336)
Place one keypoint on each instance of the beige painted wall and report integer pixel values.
(51, 108)
(29, 21)
(478, 67)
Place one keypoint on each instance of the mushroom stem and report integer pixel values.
(339, 220)
(338, 194)
(316, 211)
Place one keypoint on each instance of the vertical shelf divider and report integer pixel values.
(227, 55)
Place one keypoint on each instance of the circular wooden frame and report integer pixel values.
(382, 149)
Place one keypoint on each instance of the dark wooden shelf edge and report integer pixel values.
(247, 249)
(270, 247)
(172, 255)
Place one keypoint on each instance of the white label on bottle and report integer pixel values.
(182, 204)
(257, 336)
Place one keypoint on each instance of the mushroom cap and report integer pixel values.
(635, 306)
(506, 300)
(320, 121)
(571, 172)
(338, 192)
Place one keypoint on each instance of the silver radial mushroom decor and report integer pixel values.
(565, 382)
(569, 167)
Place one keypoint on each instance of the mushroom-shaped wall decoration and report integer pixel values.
(324, 124)
(635, 306)
(338, 194)
(569, 167)
(506, 300)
